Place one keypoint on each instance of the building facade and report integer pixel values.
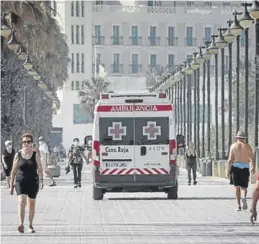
(130, 41)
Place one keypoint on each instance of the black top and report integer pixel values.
(76, 154)
(27, 169)
(190, 159)
(9, 157)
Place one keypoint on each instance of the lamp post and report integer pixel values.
(184, 106)
(27, 63)
(13, 44)
(195, 65)
(254, 12)
(236, 30)
(221, 43)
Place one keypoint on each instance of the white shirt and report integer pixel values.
(44, 153)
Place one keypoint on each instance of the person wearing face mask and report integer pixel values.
(7, 160)
(191, 163)
(76, 156)
(44, 156)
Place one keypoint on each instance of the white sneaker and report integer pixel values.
(244, 206)
(31, 230)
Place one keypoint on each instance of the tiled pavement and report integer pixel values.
(203, 214)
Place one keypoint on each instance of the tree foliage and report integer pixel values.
(156, 74)
(91, 94)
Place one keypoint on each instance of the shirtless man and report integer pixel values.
(240, 156)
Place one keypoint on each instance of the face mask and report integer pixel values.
(76, 143)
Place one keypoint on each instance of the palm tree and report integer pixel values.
(156, 74)
(90, 95)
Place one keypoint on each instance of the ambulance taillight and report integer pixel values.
(162, 95)
(173, 152)
(104, 96)
(96, 153)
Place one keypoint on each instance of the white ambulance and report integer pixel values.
(134, 145)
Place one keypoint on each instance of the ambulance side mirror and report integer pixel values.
(180, 141)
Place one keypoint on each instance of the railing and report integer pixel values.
(117, 68)
(172, 41)
(136, 40)
(190, 42)
(98, 40)
(154, 41)
(136, 68)
(117, 40)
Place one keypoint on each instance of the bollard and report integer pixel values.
(215, 171)
(209, 167)
(203, 167)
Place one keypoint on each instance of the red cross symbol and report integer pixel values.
(151, 130)
(117, 131)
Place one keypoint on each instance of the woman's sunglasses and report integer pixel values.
(26, 142)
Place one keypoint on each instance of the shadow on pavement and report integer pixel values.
(163, 198)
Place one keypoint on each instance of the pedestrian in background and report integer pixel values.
(7, 160)
(191, 163)
(28, 175)
(75, 157)
(44, 156)
(240, 156)
(255, 199)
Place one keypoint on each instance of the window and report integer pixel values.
(153, 60)
(171, 39)
(99, 2)
(150, 3)
(82, 35)
(189, 36)
(97, 32)
(80, 116)
(207, 34)
(82, 85)
(135, 63)
(189, 57)
(77, 63)
(116, 63)
(72, 34)
(134, 33)
(77, 34)
(98, 62)
(54, 8)
(72, 8)
(116, 35)
(208, 4)
(82, 9)
(170, 62)
(77, 8)
(152, 37)
(82, 63)
(73, 63)
(243, 39)
(77, 85)
(190, 3)
(72, 85)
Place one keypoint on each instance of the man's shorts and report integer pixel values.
(240, 177)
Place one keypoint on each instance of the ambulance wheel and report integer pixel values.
(97, 193)
(173, 192)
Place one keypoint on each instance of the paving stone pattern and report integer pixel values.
(205, 213)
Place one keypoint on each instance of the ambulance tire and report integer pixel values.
(97, 193)
(173, 192)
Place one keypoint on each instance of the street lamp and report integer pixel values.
(37, 77)
(21, 53)
(199, 57)
(194, 64)
(27, 64)
(213, 49)
(254, 11)
(228, 36)
(32, 72)
(245, 21)
(220, 42)
(5, 28)
(188, 69)
(236, 29)
(13, 44)
(207, 55)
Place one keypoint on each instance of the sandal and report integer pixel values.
(21, 228)
(31, 229)
(53, 184)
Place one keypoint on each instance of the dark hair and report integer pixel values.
(75, 139)
(27, 135)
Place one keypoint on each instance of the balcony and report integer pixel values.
(117, 40)
(154, 41)
(154, 68)
(117, 68)
(172, 41)
(98, 40)
(135, 68)
(136, 40)
(190, 42)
